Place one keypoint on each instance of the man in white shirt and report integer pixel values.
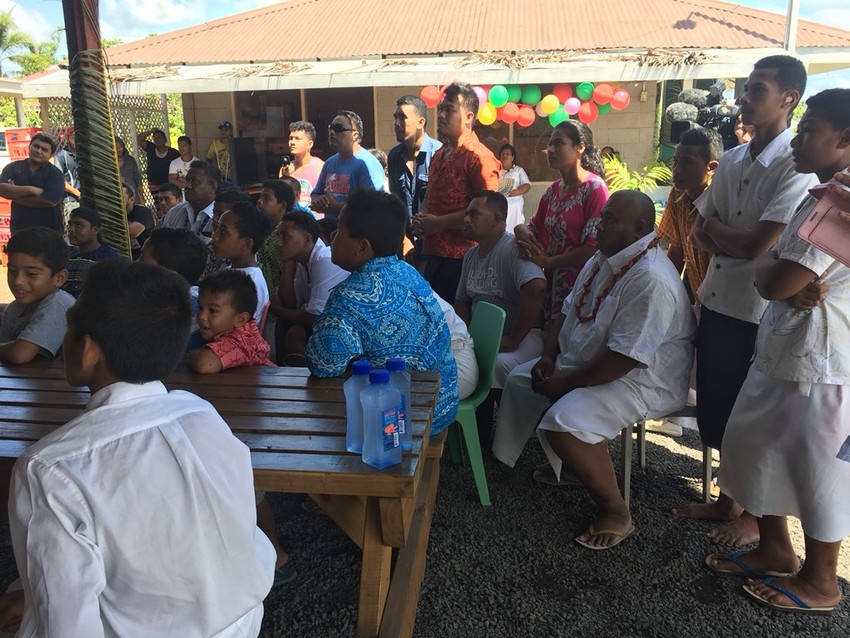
(137, 517)
(307, 277)
(619, 352)
(742, 214)
(196, 212)
(179, 168)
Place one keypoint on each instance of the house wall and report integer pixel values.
(202, 113)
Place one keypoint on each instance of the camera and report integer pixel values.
(286, 158)
(696, 108)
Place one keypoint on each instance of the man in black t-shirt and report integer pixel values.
(140, 221)
(159, 155)
(35, 186)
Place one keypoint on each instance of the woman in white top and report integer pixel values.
(786, 450)
(521, 185)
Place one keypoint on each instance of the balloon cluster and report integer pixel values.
(524, 104)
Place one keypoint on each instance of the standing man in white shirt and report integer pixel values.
(306, 280)
(179, 167)
(742, 215)
(137, 517)
(620, 351)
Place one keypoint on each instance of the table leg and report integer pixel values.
(374, 573)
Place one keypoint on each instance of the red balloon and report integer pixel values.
(588, 112)
(526, 116)
(499, 112)
(563, 92)
(430, 95)
(603, 93)
(620, 99)
(510, 113)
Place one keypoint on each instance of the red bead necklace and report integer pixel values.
(597, 301)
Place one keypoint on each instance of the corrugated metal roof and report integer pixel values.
(339, 29)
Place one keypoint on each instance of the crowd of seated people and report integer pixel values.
(607, 317)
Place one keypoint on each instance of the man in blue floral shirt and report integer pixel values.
(385, 308)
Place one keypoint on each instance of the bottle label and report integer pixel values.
(402, 417)
(390, 422)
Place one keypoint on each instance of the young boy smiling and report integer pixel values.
(34, 323)
(237, 237)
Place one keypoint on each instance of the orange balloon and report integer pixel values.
(526, 116)
(510, 113)
(563, 92)
(430, 95)
(603, 93)
(588, 112)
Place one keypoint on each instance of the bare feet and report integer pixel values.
(607, 531)
(819, 597)
(758, 562)
(742, 531)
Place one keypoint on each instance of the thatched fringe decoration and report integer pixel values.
(652, 57)
(262, 70)
(100, 180)
(142, 74)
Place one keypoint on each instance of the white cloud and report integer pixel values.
(36, 19)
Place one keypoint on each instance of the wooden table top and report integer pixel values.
(293, 423)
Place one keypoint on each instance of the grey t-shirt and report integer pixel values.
(497, 278)
(45, 327)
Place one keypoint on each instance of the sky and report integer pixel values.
(136, 19)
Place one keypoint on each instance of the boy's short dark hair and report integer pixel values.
(295, 185)
(283, 192)
(495, 201)
(251, 223)
(130, 190)
(416, 102)
(378, 217)
(231, 196)
(184, 138)
(47, 139)
(462, 91)
(174, 189)
(305, 127)
(304, 221)
(87, 213)
(209, 169)
(707, 139)
(139, 314)
(180, 250)
(45, 244)
(833, 105)
(790, 72)
(243, 292)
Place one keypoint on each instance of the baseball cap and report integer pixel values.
(225, 124)
(89, 214)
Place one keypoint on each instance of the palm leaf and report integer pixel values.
(100, 181)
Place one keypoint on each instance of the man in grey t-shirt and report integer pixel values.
(494, 271)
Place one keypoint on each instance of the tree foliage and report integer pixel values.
(12, 39)
(38, 57)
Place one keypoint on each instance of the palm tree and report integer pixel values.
(12, 40)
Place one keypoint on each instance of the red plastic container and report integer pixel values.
(18, 141)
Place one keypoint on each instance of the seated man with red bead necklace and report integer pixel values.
(620, 351)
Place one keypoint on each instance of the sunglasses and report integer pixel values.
(338, 128)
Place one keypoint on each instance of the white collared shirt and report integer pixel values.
(742, 193)
(646, 316)
(808, 346)
(138, 518)
(314, 282)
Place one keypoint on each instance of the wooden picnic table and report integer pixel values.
(294, 425)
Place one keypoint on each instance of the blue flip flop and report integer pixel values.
(284, 574)
(731, 556)
(799, 606)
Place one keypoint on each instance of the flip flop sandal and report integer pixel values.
(731, 556)
(591, 531)
(799, 606)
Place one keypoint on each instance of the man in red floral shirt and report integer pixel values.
(460, 168)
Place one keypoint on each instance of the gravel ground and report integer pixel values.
(513, 570)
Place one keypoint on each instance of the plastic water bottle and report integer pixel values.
(353, 408)
(400, 378)
(381, 447)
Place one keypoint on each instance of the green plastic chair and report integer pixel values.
(486, 328)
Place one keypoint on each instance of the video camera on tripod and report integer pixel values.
(696, 108)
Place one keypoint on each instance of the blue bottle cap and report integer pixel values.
(394, 365)
(379, 376)
(363, 366)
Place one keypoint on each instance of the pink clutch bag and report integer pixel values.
(825, 229)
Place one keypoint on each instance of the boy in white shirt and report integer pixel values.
(237, 237)
(137, 517)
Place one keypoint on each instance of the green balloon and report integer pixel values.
(558, 116)
(498, 96)
(584, 91)
(603, 108)
(514, 93)
(531, 94)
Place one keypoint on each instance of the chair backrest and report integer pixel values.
(486, 327)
